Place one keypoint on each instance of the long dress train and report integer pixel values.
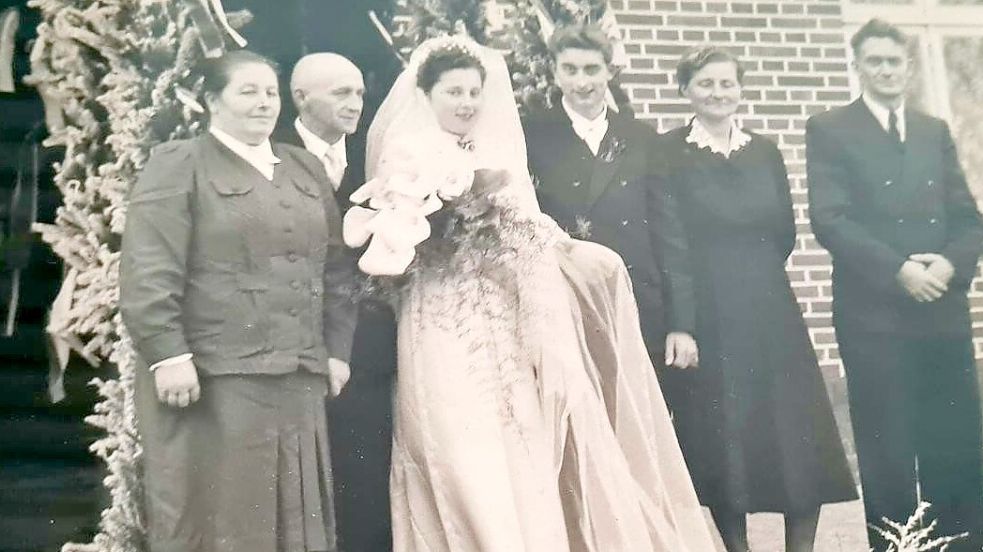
(528, 416)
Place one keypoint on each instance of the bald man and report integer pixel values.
(327, 90)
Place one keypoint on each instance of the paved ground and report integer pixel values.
(841, 529)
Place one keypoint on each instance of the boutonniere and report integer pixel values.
(582, 228)
(614, 149)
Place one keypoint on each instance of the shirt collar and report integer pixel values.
(318, 146)
(260, 156)
(699, 135)
(882, 113)
(579, 121)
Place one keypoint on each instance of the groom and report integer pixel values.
(594, 175)
(327, 90)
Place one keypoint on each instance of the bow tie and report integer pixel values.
(465, 144)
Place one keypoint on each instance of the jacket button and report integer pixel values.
(888, 182)
(576, 184)
(292, 257)
(295, 284)
(900, 221)
(931, 183)
(284, 203)
(624, 183)
(933, 221)
(624, 223)
(293, 311)
(288, 229)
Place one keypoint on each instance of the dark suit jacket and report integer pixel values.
(613, 194)
(874, 202)
(201, 271)
(354, 172)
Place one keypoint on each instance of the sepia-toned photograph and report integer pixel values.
(491, 276)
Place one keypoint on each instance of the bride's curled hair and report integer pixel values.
(443, 59)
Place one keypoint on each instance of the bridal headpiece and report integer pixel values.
(451, 43)
(414, 167)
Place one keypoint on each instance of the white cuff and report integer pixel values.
(169, 361)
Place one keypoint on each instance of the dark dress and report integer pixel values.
(754, 419)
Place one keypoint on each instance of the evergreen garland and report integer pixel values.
(522, 36)
(113, 66)
(529, 58)
(432, 18)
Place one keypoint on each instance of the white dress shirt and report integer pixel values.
(333, 156)
(591, 131)
(262, 158)
(882, 113)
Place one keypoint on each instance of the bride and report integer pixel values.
(528, 416)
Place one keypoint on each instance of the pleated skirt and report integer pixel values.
(245, 469)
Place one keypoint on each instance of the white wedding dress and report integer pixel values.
(527, 413)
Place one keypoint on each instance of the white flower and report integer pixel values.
(395, 221)
(456, 183)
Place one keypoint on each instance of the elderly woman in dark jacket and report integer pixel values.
(234, 291)
(753, 419)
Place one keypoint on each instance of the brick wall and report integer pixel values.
(795, 54)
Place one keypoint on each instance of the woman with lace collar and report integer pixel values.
(754, 420)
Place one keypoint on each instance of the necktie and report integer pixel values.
(334, 167)
(892, 127)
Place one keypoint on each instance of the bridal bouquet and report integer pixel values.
(404, 215)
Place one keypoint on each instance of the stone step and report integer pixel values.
(24, 387)
(45, 436)
(27, 344)
(44, 504)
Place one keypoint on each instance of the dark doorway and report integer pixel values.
(50, 484)
(286, 30)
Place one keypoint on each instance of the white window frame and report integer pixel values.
(932, 22)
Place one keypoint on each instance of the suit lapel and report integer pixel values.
(308, 176)
(874, 147)
(609, 157)
(568, 158)
(238, 183)
(872, 134)
(225, 170)
(915, 145)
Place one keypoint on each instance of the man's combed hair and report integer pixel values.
(877, 28)
(444, 59)
(581, 37)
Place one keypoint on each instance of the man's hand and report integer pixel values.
(338, 375)
(937, 265)
(681, 350)
(177, 384)
(919, 283)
